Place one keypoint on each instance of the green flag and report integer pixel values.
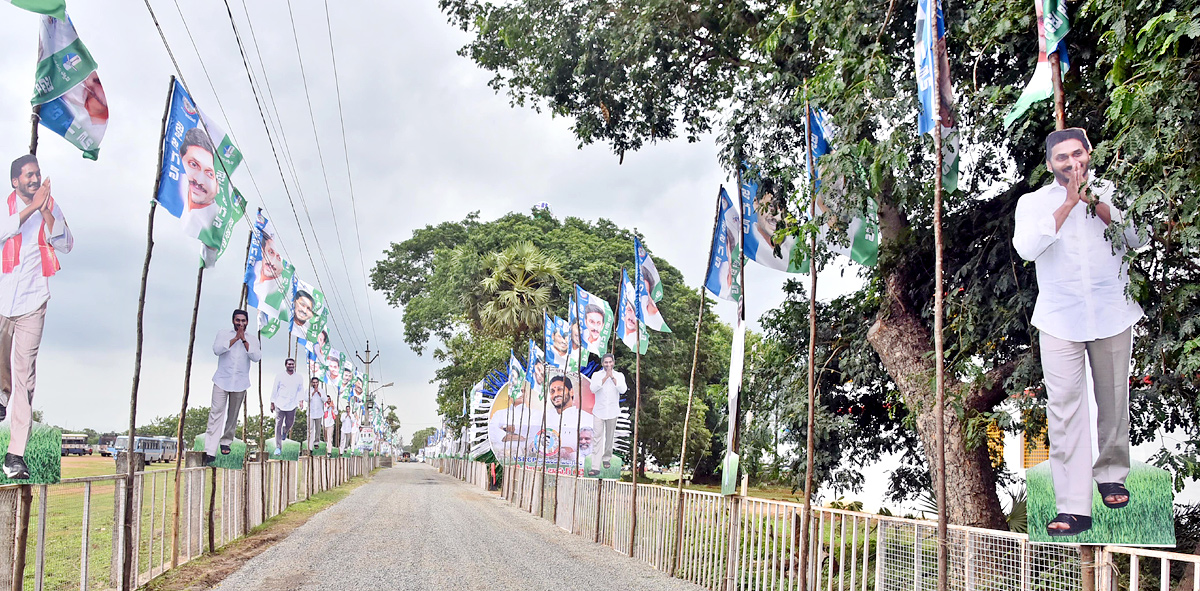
(63, 61)
(54, 8)
(231, 206)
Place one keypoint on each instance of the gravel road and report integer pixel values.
(412, 528)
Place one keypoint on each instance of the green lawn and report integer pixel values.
(43, 454)
(1148, 520)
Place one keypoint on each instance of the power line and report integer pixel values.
(321, 158)
(349, 175)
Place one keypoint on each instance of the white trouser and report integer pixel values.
(605, 436)
(222, 418)
(1069, 422)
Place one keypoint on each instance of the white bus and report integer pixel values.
(155, 449)
(75, 444)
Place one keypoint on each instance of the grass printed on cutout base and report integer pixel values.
(230, 461)
(321, 450)
(43, 454)
(1148, 519)
(613, 471)
(289, 453)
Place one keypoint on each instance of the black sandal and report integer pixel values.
(1076, 524)
(1112, 489)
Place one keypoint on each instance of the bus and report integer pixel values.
(155, 449)
(75, 444)
(106, 444)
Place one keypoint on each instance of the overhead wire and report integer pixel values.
(349, 174)
(335, 292)
(321, 159)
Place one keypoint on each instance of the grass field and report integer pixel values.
(42, 454)
(1148, 520)
(231, 461)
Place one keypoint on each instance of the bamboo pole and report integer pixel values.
(578, 464)
(262, 417)
(127, 516)
(246, 406)
(542, 434)
(938, 312)
(637, 406)
(187, 378)
(1060, 102)
(812, 348)
(734, 435)
(687, 415)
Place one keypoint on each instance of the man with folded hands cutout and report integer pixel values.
(1081, 307)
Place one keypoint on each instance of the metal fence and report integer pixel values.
(750, 544)
(75, 535)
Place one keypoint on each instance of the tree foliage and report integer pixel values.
(639, 71)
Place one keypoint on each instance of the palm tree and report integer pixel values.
(518, 284)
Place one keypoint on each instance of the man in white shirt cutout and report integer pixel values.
(33, 231)
(347, 429)
(1081, 306)
(608, 385)
(286, 396)
(316, 412)
(234, 354)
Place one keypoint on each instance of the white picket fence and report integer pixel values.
(750, 544)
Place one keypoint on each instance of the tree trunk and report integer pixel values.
(905, 346)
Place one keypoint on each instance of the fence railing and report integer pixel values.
(750, 544)
(75, 527)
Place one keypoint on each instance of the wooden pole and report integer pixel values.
(637, 409)
(246, 407)
(187, 378)
(812, 351)
(36, 118)
(127, 516)
(1060, 102)
(687, 415)
(542, 435)
(938, 313)
(212, 503)
(577, 467)
(734, 430)
(262, 417)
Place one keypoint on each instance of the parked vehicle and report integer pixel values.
(104, 446)
(75, 444)
(155, 449)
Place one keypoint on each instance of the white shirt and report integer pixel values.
(25, 290)
(1080, 273)
(233, 363)
(347, 424)
(288, 391)
(608, 394)
(316, 404)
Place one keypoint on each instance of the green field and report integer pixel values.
(231, 461)
(42, 454)
(1148, 520)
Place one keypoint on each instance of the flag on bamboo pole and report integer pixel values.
(574, 351)
(649, 289)
(54, 8)
(597, 321)
(195, 184)
(516, 373)
(66, 85)
(1041, 85)
(928, 48)
(724, 277)
(309, 312)
(737, 357)
(558, 342)
(862, 231)
(536, 357)
(628, 325)
(763, 217)
(268, 279)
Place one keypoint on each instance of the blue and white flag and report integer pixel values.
(534, 377)
(629, 329)
(724, 277)
(926, 50)
(649, 289)
(597, 322)
(762, 216)
(863, 228)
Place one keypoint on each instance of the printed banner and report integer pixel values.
(762, 216)
(629, 329)
(268, 276)
(558, 344)
(537, 369)
(737, 359)
(309, 312)
(926, 51)
(597, 321)
(650, 290)
(66, 85)
(724, 277)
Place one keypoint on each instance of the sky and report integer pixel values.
(428, 141)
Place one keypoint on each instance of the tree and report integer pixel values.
(419, 438)
(438, 299)
(513, 293)
(627, 73)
